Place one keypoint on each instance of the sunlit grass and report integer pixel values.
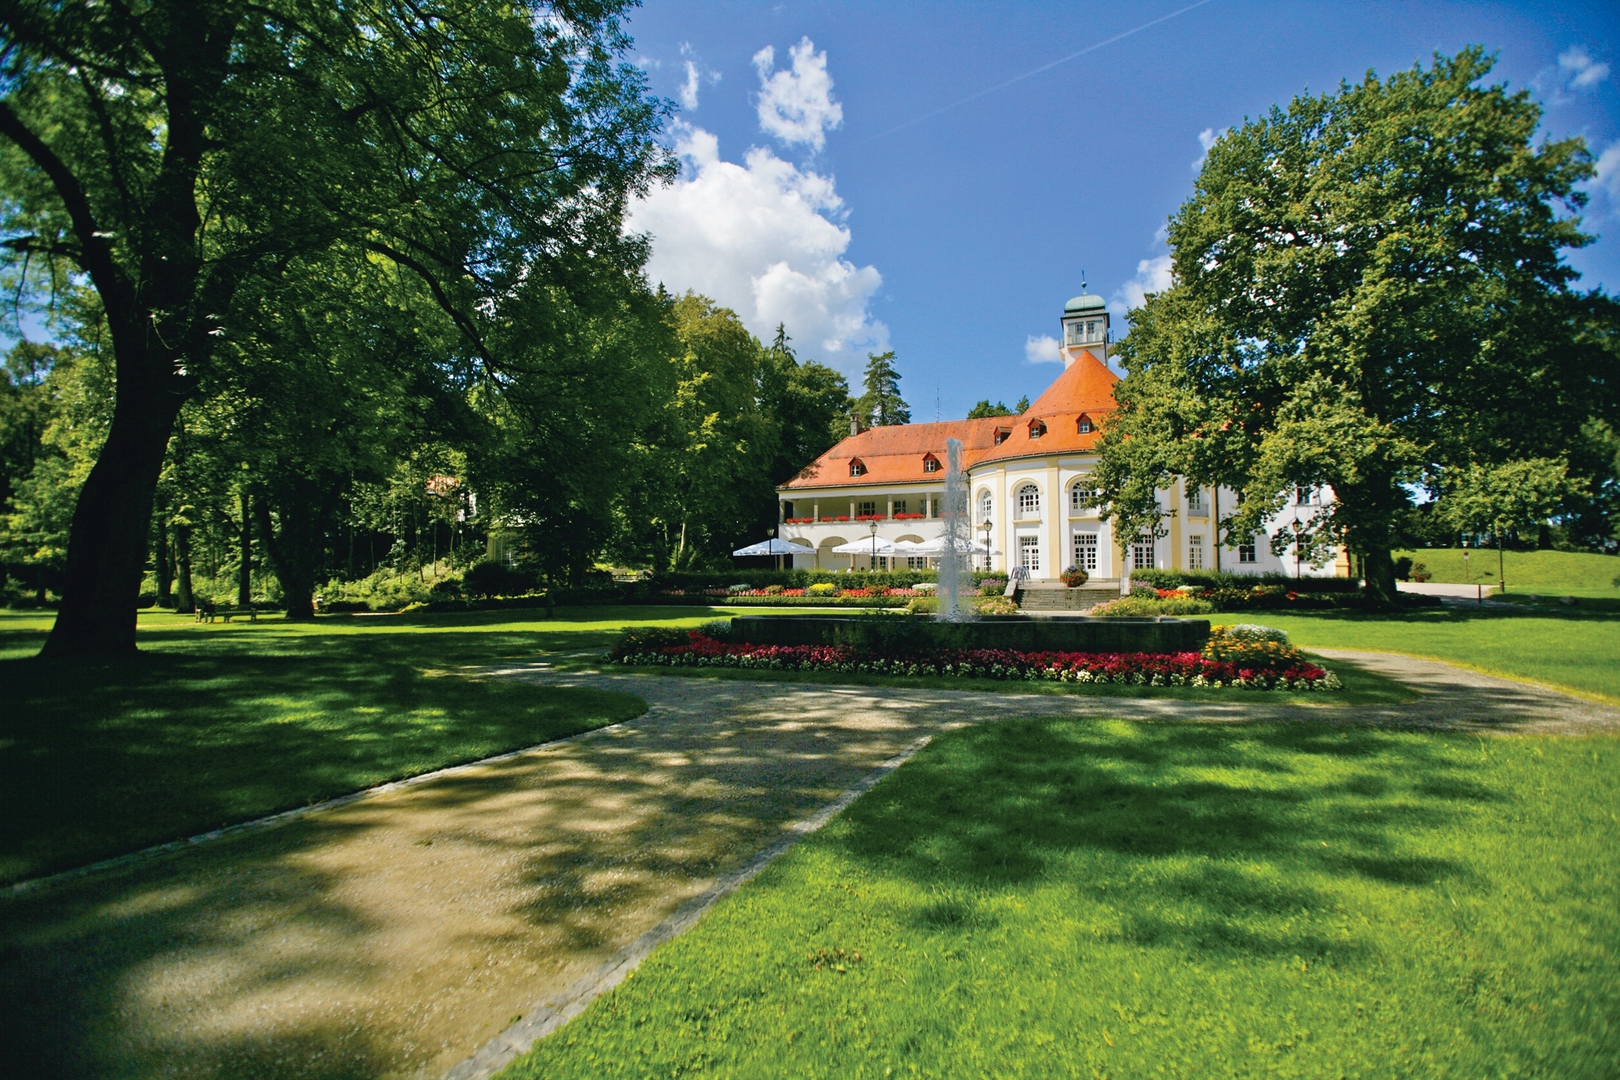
(1560, 573)
(1071, 898)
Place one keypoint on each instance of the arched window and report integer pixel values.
(987, 503)
(1029, 501)
(1081, 497)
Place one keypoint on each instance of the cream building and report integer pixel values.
(1029, 489)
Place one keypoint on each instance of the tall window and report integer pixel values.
(1085, 551)
(1077, 332)
(1029, 501)
(1029, 553)
(1247, 552)
(986, 503)
(1142, 553)
(1195, 500)
(1195, 553)
(865, 509)
(900, 506)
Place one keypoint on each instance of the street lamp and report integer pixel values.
(873, 526)
(1297, 549)
(986, 527)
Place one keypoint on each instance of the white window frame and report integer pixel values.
(1195, 552)
(1249, 551)
(1195, 500)
(1086, 546)
(1142, 543)
(1029, 553)
(1081, 497)
(1027, 499)
(987, 505)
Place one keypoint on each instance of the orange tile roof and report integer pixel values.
(894, 454)
(1086, 388)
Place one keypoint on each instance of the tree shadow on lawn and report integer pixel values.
(1205, 839)
(99, 759)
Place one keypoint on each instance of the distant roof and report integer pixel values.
(1085, 302)
(895, 454)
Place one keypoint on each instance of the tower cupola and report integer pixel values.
(1085, 327)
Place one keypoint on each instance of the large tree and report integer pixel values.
(881, 404)
(1368, 292)
(173, 150)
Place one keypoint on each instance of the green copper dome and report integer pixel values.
(1084, 303)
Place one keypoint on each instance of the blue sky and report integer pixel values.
(840, 183)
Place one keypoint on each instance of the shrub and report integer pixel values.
(1074, 577)
(491, 577)
(1251, 632)
(992, 586)
(773, 590)
(643, 639)
(715, 629)
(1146, 605)
(995, 605)
(822, 588)
(1420, 572)
(1250, 652)
(1403, 567)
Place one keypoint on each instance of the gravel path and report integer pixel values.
(397, 935)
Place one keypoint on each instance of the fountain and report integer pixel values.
(955, 562)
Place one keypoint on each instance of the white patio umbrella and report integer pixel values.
(775, 546)
(937, 547)
(869, 546)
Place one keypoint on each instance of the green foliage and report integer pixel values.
(1364, 283)
(1137, 607)
(490, 577)
(1509, 497)
(1214, 579)
(881, 404)
(1103, 898)
(984, 410)
(637, 639)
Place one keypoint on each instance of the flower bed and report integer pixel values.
(1275, 671)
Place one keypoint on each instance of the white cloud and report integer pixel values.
(1206, 139)
(1581, 70)
(1042, 350)
(689, 88)
(696, 75)
(764, 238)
(1608, 173)
(1152, 276)
(796, 104)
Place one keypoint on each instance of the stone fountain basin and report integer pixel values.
(901, 634)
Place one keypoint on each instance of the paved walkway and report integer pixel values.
(398, 934)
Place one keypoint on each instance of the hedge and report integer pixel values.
(1220, 579)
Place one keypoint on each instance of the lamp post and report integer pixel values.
(986, 527)
(1297, 553)
(873, 526)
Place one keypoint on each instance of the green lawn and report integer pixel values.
(223, 723)
(1094, 898)
(1560, 573)
(1571, 649)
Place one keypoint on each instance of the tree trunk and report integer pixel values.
(162, 562)
(291, 556)
(244, 573)
(107, 541)
(185, 602)
(1379, 566)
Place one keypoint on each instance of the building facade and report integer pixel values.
(1029, 487)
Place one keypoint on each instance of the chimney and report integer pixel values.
(854, 423)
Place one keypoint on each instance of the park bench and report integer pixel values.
(207, 611)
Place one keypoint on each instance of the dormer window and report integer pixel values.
(1036, 429)
(1084, 425)
(857, 468)
(930, 463)
(1001, 435)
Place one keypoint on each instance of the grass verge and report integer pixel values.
(1559, 573)
(1568, 649)
(1074, 898)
